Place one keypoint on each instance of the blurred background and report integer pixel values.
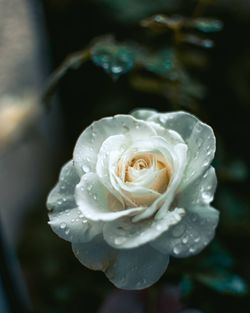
(162, 54)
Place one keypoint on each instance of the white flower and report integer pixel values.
(137, 191)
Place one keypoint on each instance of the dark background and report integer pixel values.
(55, 280)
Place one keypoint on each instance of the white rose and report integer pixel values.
(137, 191)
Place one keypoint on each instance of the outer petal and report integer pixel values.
(199, 192)
(143, 114)
(97, 203)
(90, 141)
(65, 218)
(62, 195)
(123, 234)
(96, 254)
(198, 136)
(127, 269)
(191, 235)
(181, 122)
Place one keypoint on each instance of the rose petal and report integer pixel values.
(124, 234)
(65, 218)
(73, 226)
(62, 195)
(97, 203)
(127, 269)
(108, 157)
(96, 254)
(143, 114)
(198, 136)
(180, 121)
(199, 192)
(179, 167)
(201, 150)
(89, 143)
(191, 235)
(137, 268)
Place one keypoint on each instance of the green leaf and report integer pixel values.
(116, 59)
(207, 25)
(224, 282)
(186, 286)
(161, 63)
(198, 41)
(163, 22)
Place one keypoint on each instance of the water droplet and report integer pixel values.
(89, 188)
(192, 250)
(184, 240)
(63, 225)
(120, 240)
(205, 175)
(206, 196)
(162, 120)
(67, 231)
(85, 168)
(197, 239)
(94, 197)
(158, 227)
(84, 221)
(176, 250)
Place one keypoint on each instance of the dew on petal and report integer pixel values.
(63, 225)
(176, 250)
(85, 168)
(185, 240)
(197, 239)
(67, 231)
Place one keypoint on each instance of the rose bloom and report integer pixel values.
(137, 191)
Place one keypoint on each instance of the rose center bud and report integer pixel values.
(149, 170)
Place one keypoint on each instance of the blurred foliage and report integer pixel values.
(166, 55)
(131, 11)
(224, 283)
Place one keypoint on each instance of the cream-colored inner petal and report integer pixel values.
(145, 169)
